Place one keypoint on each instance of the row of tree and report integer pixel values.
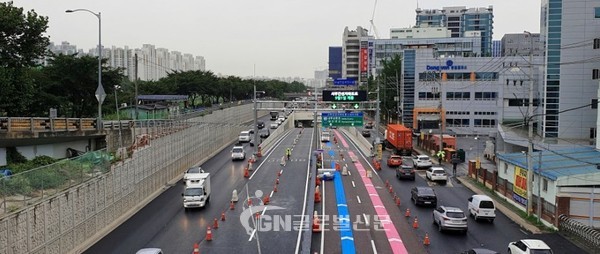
(68, 82)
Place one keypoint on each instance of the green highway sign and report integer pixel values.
(333, 106)
(342, 119)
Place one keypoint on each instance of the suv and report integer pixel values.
(423, 195)
(422, 161)
(192, 173)
(244, 136)
(436, 174)
(238, 153)
(529, 246)
(450, 218)
(406, 170)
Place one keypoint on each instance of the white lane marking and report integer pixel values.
(358, 198)
(322, 213)
(302, 222)
(373, 247)
(354, 186)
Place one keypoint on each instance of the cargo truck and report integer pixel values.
(274, 115)
(399, 138)
(197, 191)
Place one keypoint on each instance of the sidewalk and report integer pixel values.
(463, 179)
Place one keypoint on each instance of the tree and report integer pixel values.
(22, 43)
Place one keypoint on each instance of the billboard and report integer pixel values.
(520, 186)
(364, 60)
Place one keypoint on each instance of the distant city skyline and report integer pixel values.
(282, 39)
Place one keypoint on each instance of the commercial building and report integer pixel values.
(460, 20)
(335, 62)
(351, 50)
(570, 30)
(521, 44)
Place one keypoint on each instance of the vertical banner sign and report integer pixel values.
(364, 60)
(520, 186)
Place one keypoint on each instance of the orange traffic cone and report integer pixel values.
(397, 201)
(407, 213)
(426, 241)
(317, 180)
(316, 228)
(231, 206)
(416, 223)
(257, 215)
(208, 234)
(279, 173)
(277, 180)
(216, 223)
(337, 167)
(390, 189)
(387, 183)
(266, 200)
(223, 216)
(246, 172)
(317, 195)
(249, 202)
(196, 249)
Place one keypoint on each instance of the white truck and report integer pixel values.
(197, 191)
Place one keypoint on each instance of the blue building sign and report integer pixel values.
(344, 82)
(449, 66)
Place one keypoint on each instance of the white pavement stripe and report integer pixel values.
(373, 247)
(394, 240)
(378, 206)
(358, 199)
(354, 186)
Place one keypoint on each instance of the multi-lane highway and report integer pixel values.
(358, 213)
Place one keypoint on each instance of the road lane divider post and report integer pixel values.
(234, 196)
(317, 195)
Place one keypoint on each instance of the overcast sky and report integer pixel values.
(282, 38)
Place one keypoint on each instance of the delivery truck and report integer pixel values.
(399, 138)
(197, 191)
(274, 115)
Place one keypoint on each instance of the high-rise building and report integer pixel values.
(520, 44)
(461, 20)
(570, 30)
(335, 62)
(496, 48)
(354, 54)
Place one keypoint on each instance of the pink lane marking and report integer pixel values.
(390, 230)
(340, 138)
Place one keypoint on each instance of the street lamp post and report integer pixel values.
(100, 94)
(118, 116)
(530, 130)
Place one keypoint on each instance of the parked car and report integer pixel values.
(238, 153)
(436, 174)
(529, 246)
(422, 161)
(394, 160)
(366, 133)
(369, 125)
(260, 124)
(423, 195)
(406, 169)
(482, 207)
(265, 133)
(450, 218)
(191, 173)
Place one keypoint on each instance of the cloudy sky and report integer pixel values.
(282, 38)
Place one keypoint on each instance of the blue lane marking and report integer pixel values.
(345, 227)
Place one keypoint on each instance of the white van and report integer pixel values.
(482, 207)
(244, 136)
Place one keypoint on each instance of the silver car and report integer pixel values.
(422, 161)
(450, 218)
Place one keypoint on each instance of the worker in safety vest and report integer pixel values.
(288, 153)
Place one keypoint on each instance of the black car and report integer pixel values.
(423, 196)
(260, 124)
(406, 170)
(366, 133)
(369, 125)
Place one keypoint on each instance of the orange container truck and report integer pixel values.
(399, 138)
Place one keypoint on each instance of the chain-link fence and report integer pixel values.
(31, 186)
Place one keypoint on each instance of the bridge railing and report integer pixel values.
(589, 236)
(45, 124)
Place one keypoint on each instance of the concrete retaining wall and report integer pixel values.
(76, 218)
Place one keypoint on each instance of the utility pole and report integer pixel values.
(135, 82)
(529, 120)
(255, 114)
(440, 108)
(377, 139)
(397, 100)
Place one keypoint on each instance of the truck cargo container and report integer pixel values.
(399, 138)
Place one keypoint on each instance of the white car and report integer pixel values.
(422, 161)
(450, 218)
(149, 251)
(238, 153)
(273, 125)
(245, 136)
(529, 246)
(192, 173)
(436, 174)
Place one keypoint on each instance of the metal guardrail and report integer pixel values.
(588, 235)
(45, 124)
